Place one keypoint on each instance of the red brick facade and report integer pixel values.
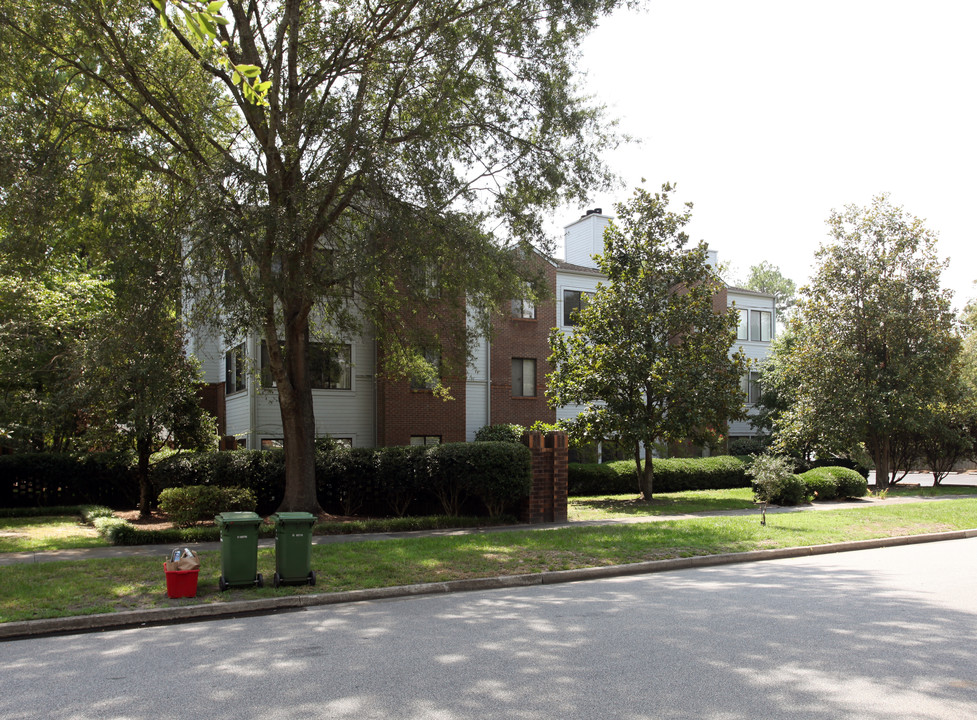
(547, 501)
(529, 339)
(403, 413)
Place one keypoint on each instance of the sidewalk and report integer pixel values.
(189, 613)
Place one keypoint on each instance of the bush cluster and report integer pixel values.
(831, 482)
(670, 475)
(48, 479)
(774, 481)
(193, 504)
(501, 432)
(478, 478)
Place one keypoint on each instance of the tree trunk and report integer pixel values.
(298, 421)
(646, 474)
(143, 451)
(880, 451)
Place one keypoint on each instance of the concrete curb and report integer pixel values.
(160, 616)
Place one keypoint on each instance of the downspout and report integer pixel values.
(253, 399)
(376, 394)
(488, 381)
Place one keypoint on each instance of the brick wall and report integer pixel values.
(519, 338)
(548, 500)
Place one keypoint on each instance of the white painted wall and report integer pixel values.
(584, 238)
(756, 351)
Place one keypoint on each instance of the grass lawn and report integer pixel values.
(938, 491)
(94, 586)
(605, 507)
(35, 534)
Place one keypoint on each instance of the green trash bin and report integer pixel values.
(239, 550)
(293, 548)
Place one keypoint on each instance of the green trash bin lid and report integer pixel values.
(238, 518)
(293, 518)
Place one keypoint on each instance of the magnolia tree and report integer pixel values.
(649, 356)
(873, 352)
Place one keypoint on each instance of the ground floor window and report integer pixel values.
(425, 440)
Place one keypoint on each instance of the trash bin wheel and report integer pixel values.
(311, 577)
(221, 583)
(260, 582)
(276, 580)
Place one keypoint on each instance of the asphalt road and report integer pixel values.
(880, 634)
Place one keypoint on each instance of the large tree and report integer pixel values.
(767, 278)
(409, 134)
(649, 357)
(873, 340)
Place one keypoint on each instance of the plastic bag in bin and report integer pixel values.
(182, 559)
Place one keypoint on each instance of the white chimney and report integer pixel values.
(584, 238)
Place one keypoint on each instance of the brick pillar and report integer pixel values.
(547, 501)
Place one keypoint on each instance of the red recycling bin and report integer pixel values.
(181, 583)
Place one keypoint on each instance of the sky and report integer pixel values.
(769, 115)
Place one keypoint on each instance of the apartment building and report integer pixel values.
(504, 382)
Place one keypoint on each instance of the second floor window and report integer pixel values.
(426, 383)
(573, 301)
(523, 377)
(761, 328)
(523, 309)
(330, 366)
(742, 329)
(235, 376)
(750, 385)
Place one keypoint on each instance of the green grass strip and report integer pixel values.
(95, 586)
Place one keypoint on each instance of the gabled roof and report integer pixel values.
(570, 267)
(749, 292)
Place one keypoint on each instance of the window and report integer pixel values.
(743, 326)
(235, 376)
(523, 377)
(760, 325)
(428, 383)
(272, 443)
(574, 300)
(750, 385)
(523, 309)
(425, 440)
(329, 366)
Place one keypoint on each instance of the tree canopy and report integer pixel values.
(649, 357)
(324, 145)
(767, 278)
(873, 346)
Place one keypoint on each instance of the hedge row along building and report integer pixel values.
(504, 381)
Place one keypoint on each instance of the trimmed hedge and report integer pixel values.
(52, 479)
(670, 475)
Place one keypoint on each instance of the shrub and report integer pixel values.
(261, 471)
(594, 479)
(187, 506)
(496, 473)
(402, 471)
(851, 484)
(749, 445)
(821, 483)
(841, 462)
(502, 432)
(501, 475)
(775, 482)
(670, 475)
